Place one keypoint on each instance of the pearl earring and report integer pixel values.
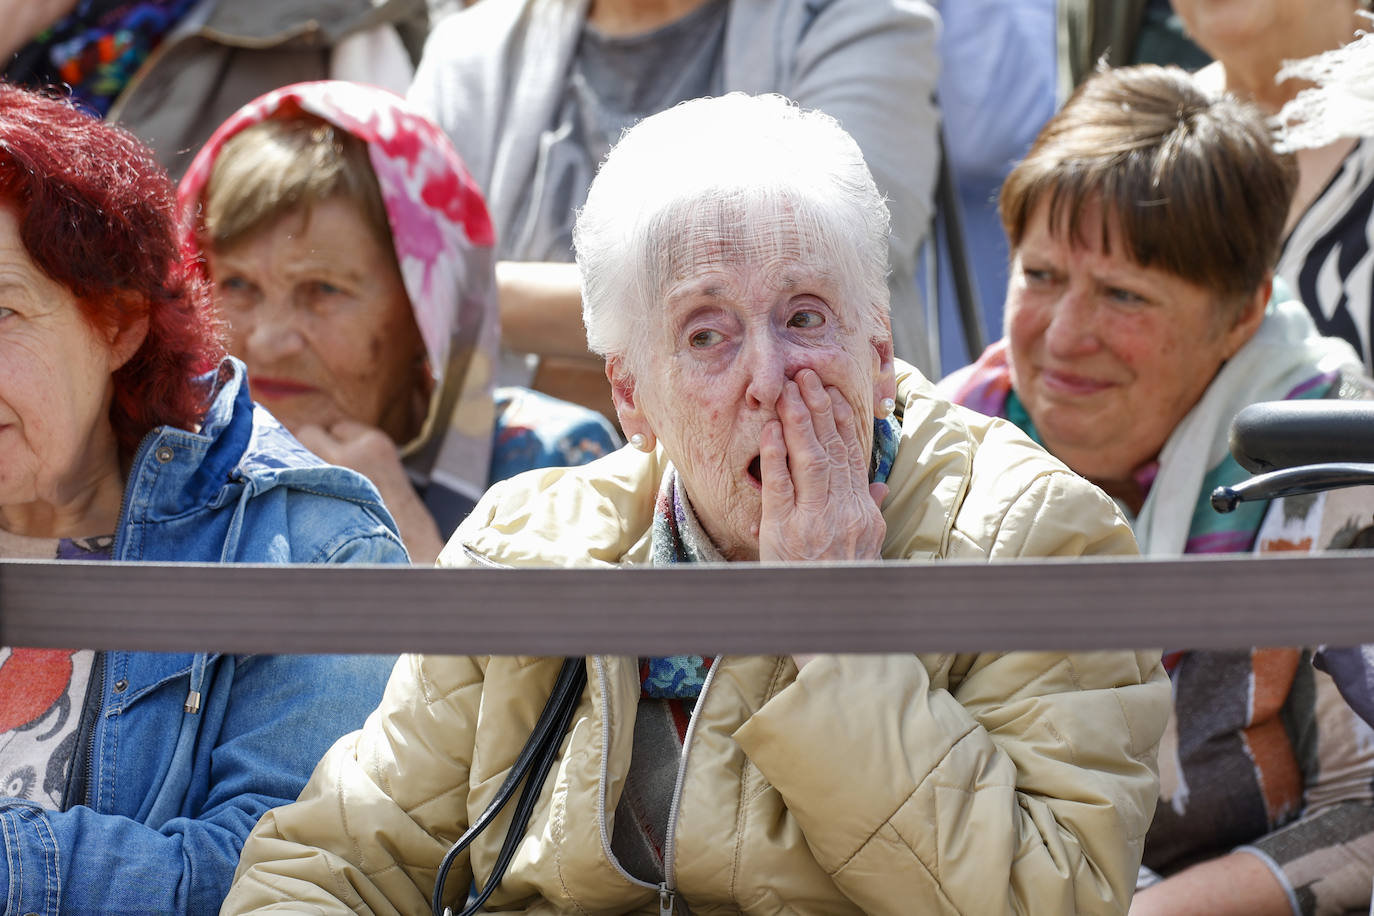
(639, 442)
(887, 407)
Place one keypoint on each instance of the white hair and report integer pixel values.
(1340, 105)
(726, 179)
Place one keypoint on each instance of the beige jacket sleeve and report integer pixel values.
(996, 783)
(371, 826)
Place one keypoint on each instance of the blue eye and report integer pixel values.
(806, 318)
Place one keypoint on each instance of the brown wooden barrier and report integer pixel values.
(1200, 602)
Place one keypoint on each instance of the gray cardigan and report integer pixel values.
(493, 76)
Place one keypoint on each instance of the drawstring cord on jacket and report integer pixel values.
(192, 704)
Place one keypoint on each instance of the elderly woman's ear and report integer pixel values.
(635, 425)
(884, 376)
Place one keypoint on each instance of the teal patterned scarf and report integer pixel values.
(678, 537)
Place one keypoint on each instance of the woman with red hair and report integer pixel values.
(128, 780)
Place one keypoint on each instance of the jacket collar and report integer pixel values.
(239, 446)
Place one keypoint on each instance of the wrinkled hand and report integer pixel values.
(370, 452)
(365, 449)
(817, 501)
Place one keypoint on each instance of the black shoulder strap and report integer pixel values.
(538, 755)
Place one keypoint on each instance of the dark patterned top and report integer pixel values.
(1263, 753)
(97, 47)
(1328, 259)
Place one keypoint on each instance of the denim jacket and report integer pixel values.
(179, 754)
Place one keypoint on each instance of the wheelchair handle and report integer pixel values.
(1293, 482)
(1289, 434)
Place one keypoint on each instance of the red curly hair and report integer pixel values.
(97, 214)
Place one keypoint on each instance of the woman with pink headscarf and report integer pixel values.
(351, 257)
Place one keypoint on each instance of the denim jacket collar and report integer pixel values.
(239, 453)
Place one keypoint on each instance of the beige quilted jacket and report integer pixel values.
(981, 783)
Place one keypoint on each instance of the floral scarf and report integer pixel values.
(443, 239)
(678, 537)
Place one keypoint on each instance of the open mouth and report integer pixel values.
(756, 472)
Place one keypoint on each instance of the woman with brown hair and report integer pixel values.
(1141, 316)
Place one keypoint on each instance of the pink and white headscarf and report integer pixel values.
(444, 242)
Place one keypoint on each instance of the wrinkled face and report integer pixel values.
(1108, 356)
(732, 330)
(55, 384)
(319, 313)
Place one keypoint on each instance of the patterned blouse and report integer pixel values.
(43, 691)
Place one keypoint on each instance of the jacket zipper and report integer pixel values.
(483, 560)
(90, 737)
(96, 694)
(670, 839)
(83, 770)
(667, 893)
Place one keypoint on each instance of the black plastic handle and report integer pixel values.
(1286, 434)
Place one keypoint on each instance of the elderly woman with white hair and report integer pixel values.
(742, 311)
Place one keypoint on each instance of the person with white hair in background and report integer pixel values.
(1327, 258)
(742, 310)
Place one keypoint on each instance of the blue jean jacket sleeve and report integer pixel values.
(271, 725)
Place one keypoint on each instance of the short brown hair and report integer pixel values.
(283, 165)
(1192, 181)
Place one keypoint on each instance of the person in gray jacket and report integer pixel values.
(533, 93)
